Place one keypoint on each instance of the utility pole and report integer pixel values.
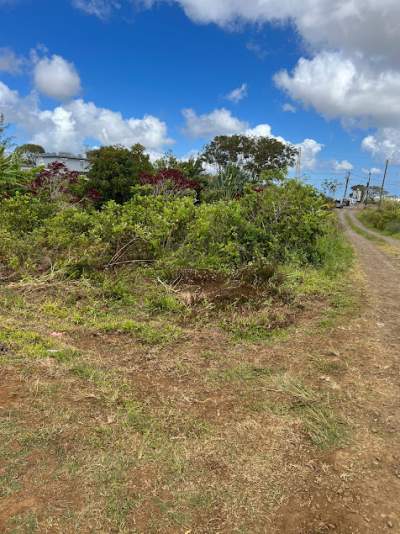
(383, 183)
(367, 190)
(298, 165)
(347, 185)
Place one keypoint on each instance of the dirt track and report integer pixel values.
(379, 445)
(357, 489)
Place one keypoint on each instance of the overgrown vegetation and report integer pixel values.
(137, 309)
(386, 219)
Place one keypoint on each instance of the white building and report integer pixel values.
(78, 163)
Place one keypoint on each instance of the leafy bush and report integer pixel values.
(281, 224)
(386, 219)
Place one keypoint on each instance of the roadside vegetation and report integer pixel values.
(137, 306)
(386, 219)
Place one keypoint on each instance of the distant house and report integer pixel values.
(73, 162)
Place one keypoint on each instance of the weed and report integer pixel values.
(295, 389)
(329, 366)
(323, 428)
(26, 523)
(163, 303)
(134, 417)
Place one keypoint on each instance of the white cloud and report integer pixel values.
(343, 165)
(222, 122)
(339, 87)
(237, 94)
(218, 122)
(10, 62)
(310, 150)
(57, 78)
(373, 170)
(100, 8)
(69, 126)
(384, 144)
(289, 108)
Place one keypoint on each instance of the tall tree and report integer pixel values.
(29, 153)
(114, 170)
(254, 155)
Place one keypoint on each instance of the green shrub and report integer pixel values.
(285, 223)
(386, 219)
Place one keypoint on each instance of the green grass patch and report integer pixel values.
(29, 344)
(258, 327)
(163, 303)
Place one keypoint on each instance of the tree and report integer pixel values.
(29, 153)
(169, 181)
(115, 170)
(330, 187)
(252, 154)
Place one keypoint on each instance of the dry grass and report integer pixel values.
(127, 415)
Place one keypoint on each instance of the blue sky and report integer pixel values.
(75, 73)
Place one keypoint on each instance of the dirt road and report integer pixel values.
(357, 489)
(377, 348)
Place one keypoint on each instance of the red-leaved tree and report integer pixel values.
(169, 181)
(57, 182)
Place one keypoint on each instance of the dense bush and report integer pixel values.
(283, 223)
(386, 219)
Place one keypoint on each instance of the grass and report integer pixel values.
(30, 344)
(152, 426)
(324, 428)
(258, 327)
(145, 333)
(385, 221)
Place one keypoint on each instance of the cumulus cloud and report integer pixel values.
(237, 94)
(343, 165)
(384, 144)
(67, 127)
(352, 71)
(218, 122)
(310, 150)
(57, 78)
(10, 62)
(339, 87)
